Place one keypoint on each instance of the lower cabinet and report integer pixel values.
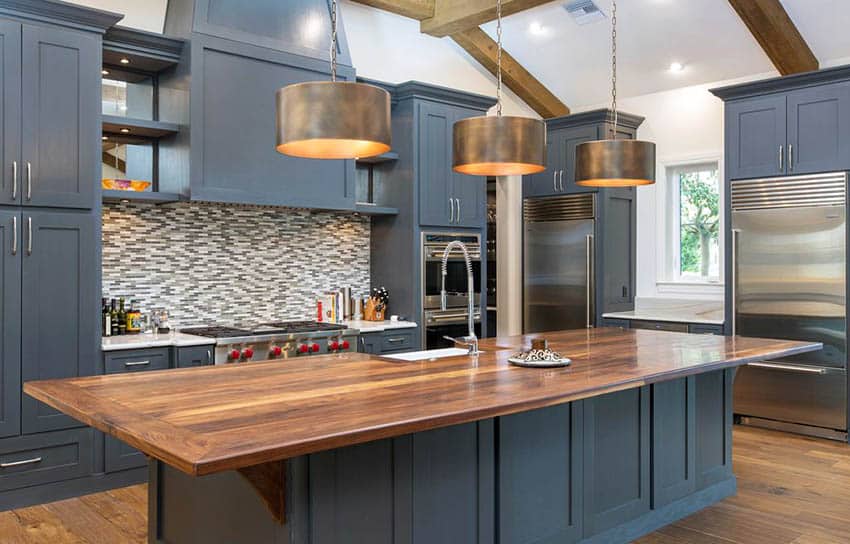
(45, 458)
(673, 440)
(714, 427)
(193, 356)
(693, 328)
(389, 341)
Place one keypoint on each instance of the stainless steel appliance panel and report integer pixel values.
(555, 274)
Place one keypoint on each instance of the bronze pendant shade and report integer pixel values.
(615, 163)
(333, 120)
(499, 146)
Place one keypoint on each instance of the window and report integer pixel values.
(693, 242)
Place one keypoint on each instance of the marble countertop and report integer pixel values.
(150, 340)
(713, 318)
(379, 326)
(703, 312)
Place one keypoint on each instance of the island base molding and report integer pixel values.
(604, 469)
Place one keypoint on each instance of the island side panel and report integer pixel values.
(529, 478)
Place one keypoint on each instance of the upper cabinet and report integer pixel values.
(50, 116)
(792, 125)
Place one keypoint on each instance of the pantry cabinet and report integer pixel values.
(10, 323)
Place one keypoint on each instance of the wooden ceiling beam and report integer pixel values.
(483, 48)
(453, 16)
(774, 30)
(415, 9)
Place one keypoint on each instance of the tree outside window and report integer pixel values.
(694, 242)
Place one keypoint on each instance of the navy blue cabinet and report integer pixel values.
(10, 322)
(10, 112)
(819, 129)
(446, 198)
(755, 143)
(59, 306)
(673, 440)
(545, 183)
(713, 411)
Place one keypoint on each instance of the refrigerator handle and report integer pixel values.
(735, 234)
(588, 269)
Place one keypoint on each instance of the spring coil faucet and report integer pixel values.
(470, 340)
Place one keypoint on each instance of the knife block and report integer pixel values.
(371, 311)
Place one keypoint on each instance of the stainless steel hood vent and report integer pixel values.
(815, 190)
(559, 208)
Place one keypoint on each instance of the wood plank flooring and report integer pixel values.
(791, 490)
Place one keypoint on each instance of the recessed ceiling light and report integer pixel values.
(676, 67)
(104, 138)
(125, 60)
(125, 130)
(536, 28)
(104, 72)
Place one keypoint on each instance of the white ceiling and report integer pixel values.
(706, 36)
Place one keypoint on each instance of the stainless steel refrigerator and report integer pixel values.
(558, 262)
(789, 260)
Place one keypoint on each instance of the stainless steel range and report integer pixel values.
(280, 340)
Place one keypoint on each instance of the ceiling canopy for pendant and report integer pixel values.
(613, 162)
(333, 119)
(496, 145)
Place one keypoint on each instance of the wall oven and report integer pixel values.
(453, 320)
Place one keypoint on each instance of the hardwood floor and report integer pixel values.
(791, 490)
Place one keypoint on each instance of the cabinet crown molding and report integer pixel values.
(591, 117)
(783, 83)
(61, 13)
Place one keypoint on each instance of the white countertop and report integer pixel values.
(150, 340)
(378, 326)
(672, 317)
(703, 312)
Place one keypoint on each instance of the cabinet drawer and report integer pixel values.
(700, 328)
(43, 458)
(622, 323)
(195, 356)
(121, 456)
(659, 326)
(136, 360)
(397, 341)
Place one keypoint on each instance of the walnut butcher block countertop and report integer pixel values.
(212, 419)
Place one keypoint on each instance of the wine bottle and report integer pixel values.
(105, 318)
(122, 317)
(113, 317)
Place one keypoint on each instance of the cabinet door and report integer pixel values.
(616, 459)
(615, 249)
(370, 342)
(545, 183)
(755, 137)
(59, 306)
(10, 112)
(10, 322)
(673, 439)
(569, 140)
(539, 475)
(819, 129)
(469, 192)
(61, 117)
(435, 165)
(233, 133)
(713, 427)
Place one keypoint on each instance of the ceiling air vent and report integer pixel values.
(584, 12)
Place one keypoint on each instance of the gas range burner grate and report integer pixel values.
(298, 326)
(217, 332)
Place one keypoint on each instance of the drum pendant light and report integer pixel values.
(333, 119)
(496, 145)
(613, 162)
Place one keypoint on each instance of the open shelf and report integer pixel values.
(138, 128)
(154, 197)
(384, 157)
(143, 51)
(370, 209)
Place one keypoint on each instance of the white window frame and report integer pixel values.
(670, 281)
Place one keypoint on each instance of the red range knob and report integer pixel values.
(247, 353)
(275, 351)
(345, 344)
(303, 348)
(234, 354)
(334, 345)
(314, 347)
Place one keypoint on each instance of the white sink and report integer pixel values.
(427, 355)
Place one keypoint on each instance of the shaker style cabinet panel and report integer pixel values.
(755, 137)
(469, 192)
(673, 440)
(714, 429)
(59, 309)
(233, 133)
(10, 113)
(545, 183)
(819, 129)
(61, 117)
(10, 323)
(569, 140)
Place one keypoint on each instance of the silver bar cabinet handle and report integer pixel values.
(20, 463)
(555, 181)
(588, 240)
(14, 180)
(457, 200)
(561, 181)
(138, 363)
(791, 368)
(781, 158)
(29, 236)
(791, 157)
(735, 233)
(209, 356)
(14, 235)
(451, 210)
(29, 180)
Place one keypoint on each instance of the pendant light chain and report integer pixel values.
(614, 65)
(333, 40)
(499, 58)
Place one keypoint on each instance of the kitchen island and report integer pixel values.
(635, 434)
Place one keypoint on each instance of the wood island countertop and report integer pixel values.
(212, 419)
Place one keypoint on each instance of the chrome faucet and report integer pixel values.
(470, 340)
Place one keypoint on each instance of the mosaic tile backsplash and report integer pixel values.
(209, 263)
